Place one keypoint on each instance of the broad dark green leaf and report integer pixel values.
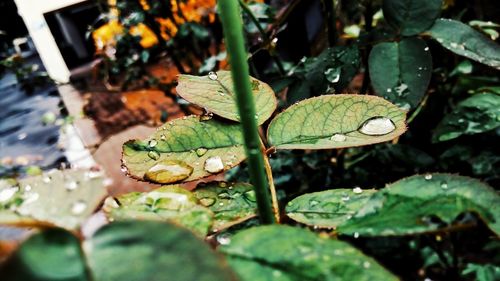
(334, 67)
(52, 255)
(425, 203)
(61, 198)
(152, 251)
(284, 253)
(401, 71)
(327, 209)
(411, 17)
(336, 121)
(185, 149)
(215, 93)
(231, 202)
(169, 203)
(465, 41)
(477, 114)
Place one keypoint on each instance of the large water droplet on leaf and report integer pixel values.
(377, 126)
(212, 75)
(338, 138)
(152, 143)
(214, 164)
(169, 171)
(153, 154)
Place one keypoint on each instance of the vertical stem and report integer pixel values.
(368, 15)
(233, 34)
(331, 21)
(269, 173)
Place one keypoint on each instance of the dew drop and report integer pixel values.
(224, 239)
(201, 151)
(366, 264)
(78, 207)
(453, 45)
(71, 185)
(250, 195)
(152, 143)
(426, 49)
(389, 90)
(377, 126)
(345, 198)
(46, 179)
(169, 171)
(338, 137)
(357, 190)
(206, 116)
(7, 193)
(224, 195)
(313, 203)
(444, 185)
(27, 187)
(428, 177)
(212, 75)
(163, 137)
(214, 165)
(153, 154)
(207, 201)
(124, 169)
(356, 235)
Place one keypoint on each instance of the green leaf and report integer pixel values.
(465, 41)
(215, 93)
(146, 250)
(185, 149)
(401, 71)
(169, 203)
(334, 67)
(52, 255)
(327, 209)
(284, 253)
(411, 17)
(425, 203)
(477, 114)
(61, 198)
(231, 203)
(336, 121)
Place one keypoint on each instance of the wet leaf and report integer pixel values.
(334, 67)
(465, 41)
(61, 198)
(411, 17)
(336, 121)
(401, 71)
(230, 202)
(185, 149)
(425, 203)
(327, 209)
(152, 251)
(51, 255)
(285, 253)
(215, 93)
(477, 114)
(169, 203)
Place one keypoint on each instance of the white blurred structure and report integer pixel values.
(32, 12)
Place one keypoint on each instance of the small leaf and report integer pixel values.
(336, 121)
(51, 255)
(401, 71)
(60, 198)
(185, 149)
(146, 250)
(327, 209)
(287, 253)
(168, 203)
(477, 114)
(465, 41)
(411, 17)
(425, 203)
(215, 93)
(231, 202)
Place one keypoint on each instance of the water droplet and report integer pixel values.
(207, 201)
(389, 90)
(224, 195)
(338, 137)
(313, 203)
(163, 137)
(357, 190)
(223, 184)
(428, 177)
(377, 126)
(169, 171)
(27, 187)
(206, 116)
(7, 193)
(332, 75)
(250, 195)
(426, 49)
(224, 239)
(78, 207)
(444, 185)
(46, 179)
(214, 165)
(153, 154)
(366, 264)
(401, 89)
(152, 143)
(212, 75)
(30, 197)
(453, 45)
(356, 235)
(345, 197)
(201, 151)
(124, 169)
(71, 185)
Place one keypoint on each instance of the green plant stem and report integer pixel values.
(233, 34)
(263, 33)
(331, 21)
(368, 15)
